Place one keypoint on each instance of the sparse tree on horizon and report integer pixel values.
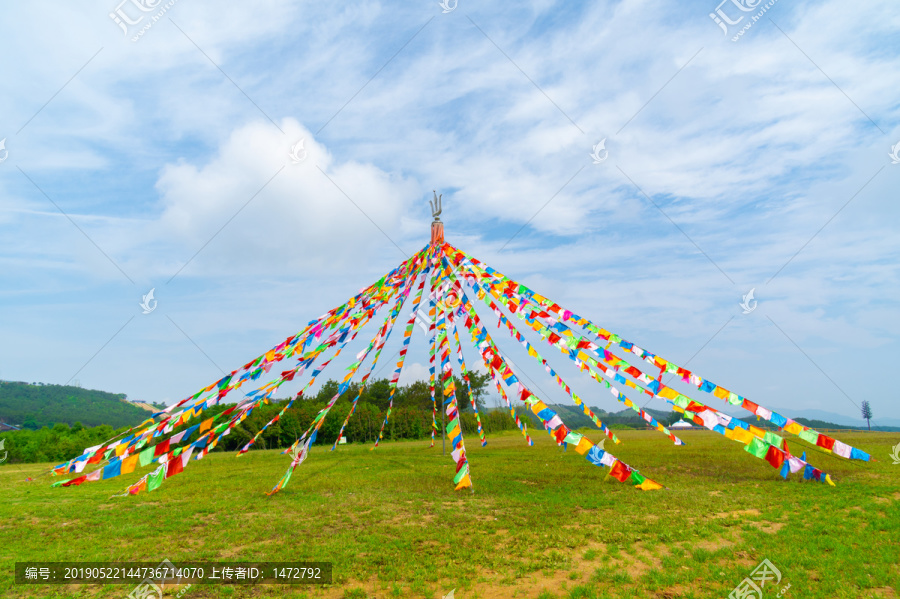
(867, 412)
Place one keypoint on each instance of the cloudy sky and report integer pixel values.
(147, 146)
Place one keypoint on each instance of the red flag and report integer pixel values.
(620, 471)
(161, 448)
(560, 434)
(174, 466)
(775, 456)
(826, 442)
(633, 371)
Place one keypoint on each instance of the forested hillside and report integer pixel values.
(35, 406)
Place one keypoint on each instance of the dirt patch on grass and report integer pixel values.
(768, 527)
(670, 593)
(423, 520)
(714, 544)
(744, 559)
(737, 513)
(239, 550)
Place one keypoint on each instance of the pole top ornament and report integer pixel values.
(436, 207)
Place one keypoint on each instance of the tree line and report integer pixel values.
(410, 418)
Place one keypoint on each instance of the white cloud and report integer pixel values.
(302, 217)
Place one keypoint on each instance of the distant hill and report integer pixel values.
(631, 418)
(820, 425)
(35, 406)
(575, 418)
(879, 421)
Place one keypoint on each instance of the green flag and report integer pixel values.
(757, 447)
(156, 478)
(459, 475)
(809, 436)
(146, 456)
(681, 401)
(774, 439)
(637, 478)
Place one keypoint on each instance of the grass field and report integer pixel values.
(541, 524)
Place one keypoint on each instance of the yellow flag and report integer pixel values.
(649, 485)
(668, 393)
(794, 428)
(583, 446)
(464, 483)
(757, 431)
(129, 463)
(743, 435)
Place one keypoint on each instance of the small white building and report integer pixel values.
(682, 424)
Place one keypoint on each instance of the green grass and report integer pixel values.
(542, 523)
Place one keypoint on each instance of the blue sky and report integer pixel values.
(163, 163)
